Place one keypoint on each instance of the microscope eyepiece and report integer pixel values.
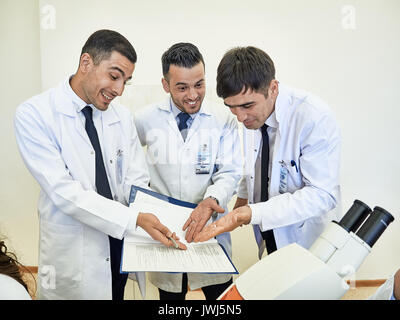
(355, 216)
(375, 225)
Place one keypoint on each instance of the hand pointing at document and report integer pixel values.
(231, 221)
(152, 225)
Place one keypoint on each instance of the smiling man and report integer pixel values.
(83, 150)
(193, 156)
(290, 189)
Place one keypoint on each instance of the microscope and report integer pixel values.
(319, 273)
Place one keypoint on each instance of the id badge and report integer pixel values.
(203, 159)
(283, 177)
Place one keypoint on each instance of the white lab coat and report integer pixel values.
(298, 209)
(172, 161)
(385, 291)
(75, 221)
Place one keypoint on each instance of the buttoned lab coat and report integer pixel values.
(172, 166)
(75, 221)
(304, 195)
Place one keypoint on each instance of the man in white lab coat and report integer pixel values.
(192, 155)
(83, 150)
(290, 188)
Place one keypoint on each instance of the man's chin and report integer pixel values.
(251, 125)
(102, 106)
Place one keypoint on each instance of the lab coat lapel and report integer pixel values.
(193, 128)
(282, 104)
(199, 121)
(111, 128)
(165, 106)
(65, 106)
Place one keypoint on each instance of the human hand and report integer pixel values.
(199, 217)
(152, 225)
(231, 221)
(240, 202)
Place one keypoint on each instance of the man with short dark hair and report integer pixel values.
(290, 189)
(192, 155)
(83, 150)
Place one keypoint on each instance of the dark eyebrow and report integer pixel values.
(244, 105)
(180, 84)
(185, 84)
(122, 72)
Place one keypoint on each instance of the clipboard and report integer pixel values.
(142, 253)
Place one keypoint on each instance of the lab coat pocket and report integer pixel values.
(293, 175)
(66, 243)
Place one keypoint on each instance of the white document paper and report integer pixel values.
(142, 253)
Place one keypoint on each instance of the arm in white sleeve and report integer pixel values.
(319, 165)
(42, 155)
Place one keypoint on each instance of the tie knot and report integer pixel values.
(264, 129)
(88, 113)
(183, 118)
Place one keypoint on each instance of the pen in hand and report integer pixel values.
(174, 242)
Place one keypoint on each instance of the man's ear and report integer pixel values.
(165, 85)
(85, 63)
(274, 88)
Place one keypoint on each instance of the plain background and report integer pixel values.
(346, 52)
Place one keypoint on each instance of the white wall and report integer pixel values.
(20, 67)
(344, 51)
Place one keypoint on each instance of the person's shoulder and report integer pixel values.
(219, 112)
(41, 101)
(11, 289)
(149, 111)
(307, 102)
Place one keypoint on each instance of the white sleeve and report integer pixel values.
(42, 156)
(319, 165)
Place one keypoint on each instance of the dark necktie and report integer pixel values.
(103, 188)
(268, 235)
(102, 185)
(183, 118)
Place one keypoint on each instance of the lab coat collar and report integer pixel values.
(69, 103)
(281, 104)
(271, 121)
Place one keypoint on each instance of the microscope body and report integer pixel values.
(293, 272)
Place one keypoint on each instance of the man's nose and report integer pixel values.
(240, 113)
(192, 93)
(118, 88)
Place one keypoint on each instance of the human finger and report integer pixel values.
(209, 232)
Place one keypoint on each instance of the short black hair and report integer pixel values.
(181, 54)
(244, 67)
(102, 43)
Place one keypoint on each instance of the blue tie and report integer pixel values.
(102, 185)
(103, 188)
(268, 235)
(183, 118)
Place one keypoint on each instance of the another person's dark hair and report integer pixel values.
(10, 266)
(181, 54)
(102, 43)
(244, 67)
